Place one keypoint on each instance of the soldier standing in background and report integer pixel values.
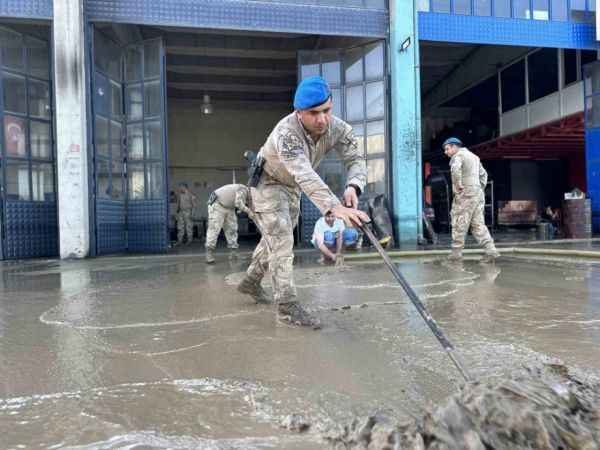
(186, 201)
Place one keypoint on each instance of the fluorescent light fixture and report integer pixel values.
(207, 107)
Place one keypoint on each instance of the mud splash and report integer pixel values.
(544, 408)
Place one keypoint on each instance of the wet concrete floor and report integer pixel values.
(162, 352)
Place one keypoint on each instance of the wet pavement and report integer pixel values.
(162, 352)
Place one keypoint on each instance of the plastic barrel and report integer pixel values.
(577, 218)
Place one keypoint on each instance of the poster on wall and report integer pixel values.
(14, 132)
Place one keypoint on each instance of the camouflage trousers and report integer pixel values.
(276, 209)
(185, 225)
(219, 218)
(467, 211)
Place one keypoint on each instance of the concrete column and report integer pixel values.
(71, 135)
(405, 121)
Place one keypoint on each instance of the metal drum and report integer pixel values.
(577, 218)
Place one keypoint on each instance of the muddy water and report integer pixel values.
(163, 353)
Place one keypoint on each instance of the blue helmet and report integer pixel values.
(452, 140)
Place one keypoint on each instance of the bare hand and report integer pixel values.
(339, 261)
(350, 197)
(350, 216)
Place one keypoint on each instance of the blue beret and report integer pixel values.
(452, 140)
(311, 92)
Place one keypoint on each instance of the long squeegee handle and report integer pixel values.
(412, 295)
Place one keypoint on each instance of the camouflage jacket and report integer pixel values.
(186, 201)
(291, 157)
(468, 175)
(226, 195)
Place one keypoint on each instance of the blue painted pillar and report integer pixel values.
(405, 122)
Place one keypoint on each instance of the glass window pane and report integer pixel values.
(354, 103)
(512, 80)
(14, 94)
(592, 5)
(107, 56)
(101, 136)
(559, 9)
(38, 58)
(440, 6)
(376, 176)
(309, 65)
(133, 64)
(135, 142)
(502, 8)
(152, 99)
(540, 9)
(353, 65)
(17, 180)
(423, 5)
(133, 102)
(375, 138)
(543, 73)
(39, 99)
(42, 180)
(135, 176)
(592, 83)
(103, 186)
(331, 66)
(482, 7)
(588, 56)
(359, 134)
(462, 7)
(152, 59)
(336, 98)
(375, 103)
(117, 179)
(154, 140)
(101, 95)
(12, 50)
(40, 140)
(155, 180)
(15, 141)
(117, 100)
(578, 5)
(115, 140)
(374, 61)
(521, 9)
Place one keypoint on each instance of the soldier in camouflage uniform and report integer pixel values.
(292, 151)
(186, 201)
(221, 215)
(469, 179)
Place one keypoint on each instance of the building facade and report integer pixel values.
(107, 104)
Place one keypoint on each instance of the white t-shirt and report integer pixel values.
(321, 227)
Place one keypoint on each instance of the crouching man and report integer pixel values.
(330, 234)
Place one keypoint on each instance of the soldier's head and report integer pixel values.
(183, 187)
(313, 105)
(329, 218)
(451, 146)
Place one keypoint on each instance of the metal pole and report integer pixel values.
(437, 332)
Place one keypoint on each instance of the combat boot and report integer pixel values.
(255, 290)
(295, 314)
(490, 258)
(210, 256)
(455, 255)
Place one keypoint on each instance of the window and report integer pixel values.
(502, 8)
(512, 80)
(570, 65)
(540, 9)
(588, 56)
(423, 5)
(559, 10)
(543, 73)
(482, 7)
(462, 7)
(521, 9)
(440, 6)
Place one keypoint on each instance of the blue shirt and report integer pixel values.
(321, 227)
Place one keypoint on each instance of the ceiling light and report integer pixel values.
(207, 107)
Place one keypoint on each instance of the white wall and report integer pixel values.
(205, 150)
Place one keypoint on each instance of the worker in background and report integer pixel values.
(221, 215)
(469, 179)
(186, 202)
(329, 235)
(293, 150)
